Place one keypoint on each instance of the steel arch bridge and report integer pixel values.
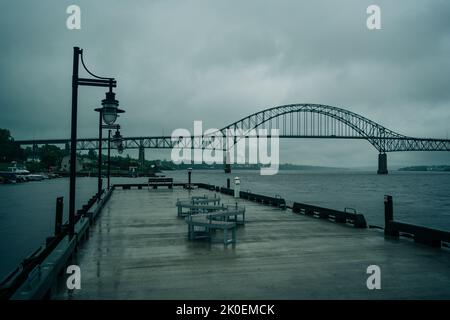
(304, 120)
(322, 121)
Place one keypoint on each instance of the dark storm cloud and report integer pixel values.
(218, 61)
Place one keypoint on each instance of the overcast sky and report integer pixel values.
(219, 61)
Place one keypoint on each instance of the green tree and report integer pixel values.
(51, 156)
(92, 154)
(9, 150)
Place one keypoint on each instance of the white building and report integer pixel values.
(65, 164)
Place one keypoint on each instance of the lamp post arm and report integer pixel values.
(87, 70)
(98, 81)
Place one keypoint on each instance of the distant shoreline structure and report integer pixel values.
(285, 166)
(441, 168)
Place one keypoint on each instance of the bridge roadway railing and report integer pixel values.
(389, 144)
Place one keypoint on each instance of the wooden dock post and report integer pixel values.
(389, 217)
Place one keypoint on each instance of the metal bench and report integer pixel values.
(196, 208)
(201, 226)
(198, 205)
(158, 182)
(230, 215)
(200, 200)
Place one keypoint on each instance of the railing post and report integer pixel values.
(228, 183)
(388, 216)
(59, 215)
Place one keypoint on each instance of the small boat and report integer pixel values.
(8, 177)
(18, 170)
(44, 175)
(35, 177)
(21, 177)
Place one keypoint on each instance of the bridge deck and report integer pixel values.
(139, 250)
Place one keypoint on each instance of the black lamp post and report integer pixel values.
(117, 141)
(189, 177)
(108, 113)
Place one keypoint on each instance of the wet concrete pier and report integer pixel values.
(139, 249)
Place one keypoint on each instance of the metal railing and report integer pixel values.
(29, 269)
(420, 234)
(356, 219)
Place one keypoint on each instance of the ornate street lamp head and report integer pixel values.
(110, 108)
(120, 148)
(117, 139)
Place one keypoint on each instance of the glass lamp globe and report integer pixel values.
(110, 108)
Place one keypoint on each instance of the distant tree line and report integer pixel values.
(9, 150)
(48, 155)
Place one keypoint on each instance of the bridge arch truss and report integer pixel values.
(303, 120)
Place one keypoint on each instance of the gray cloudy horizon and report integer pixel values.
(219, 61)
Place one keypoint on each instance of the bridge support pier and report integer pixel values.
(35, 152)
(382, 163)
(227, 161)
(141, 158)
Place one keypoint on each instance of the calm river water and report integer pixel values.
(27, 210)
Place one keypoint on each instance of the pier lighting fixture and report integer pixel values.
(110, 108)
(120, 148)
(117, 139)
(108, 113)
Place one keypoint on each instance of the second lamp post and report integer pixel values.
(108, 113)
(117, 142)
